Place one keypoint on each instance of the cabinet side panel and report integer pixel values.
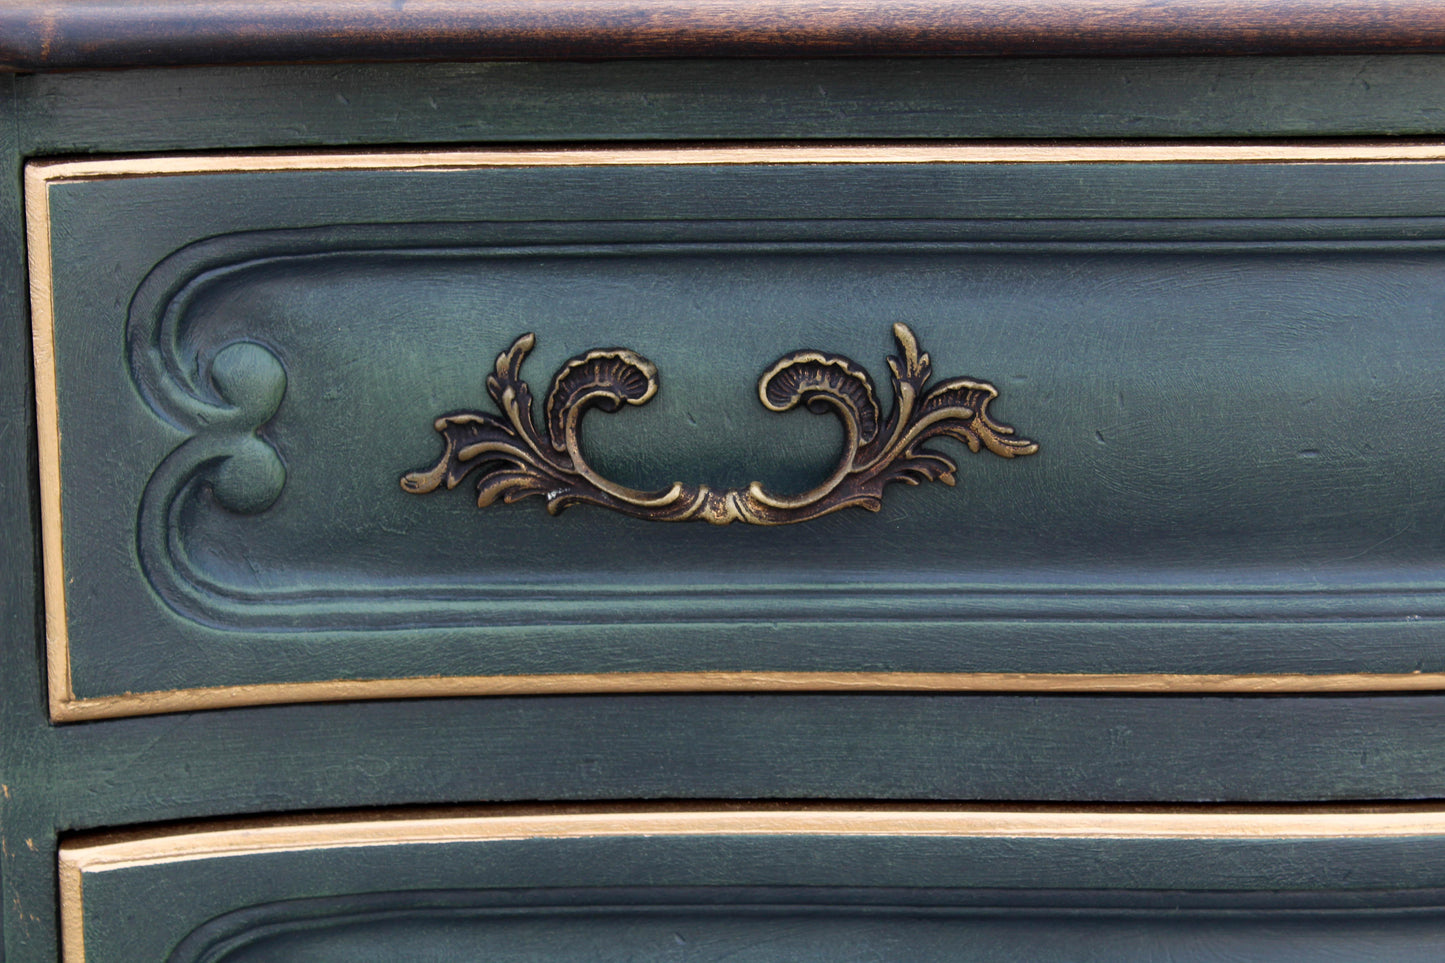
(26, 870)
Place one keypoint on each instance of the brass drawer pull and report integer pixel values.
(516, 461)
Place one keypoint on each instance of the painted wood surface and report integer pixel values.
(766, 884)
(18, 549)
(833, 100)
(1196, 341)
(60, 780)
(85, 33)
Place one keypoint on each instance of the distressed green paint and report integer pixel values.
(1227, 422)
(886, 747)
(1112, 98)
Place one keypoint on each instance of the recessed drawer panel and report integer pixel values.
(783, 884)
(378, 425)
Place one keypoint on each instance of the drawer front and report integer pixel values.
(259, 378)
(749, 884)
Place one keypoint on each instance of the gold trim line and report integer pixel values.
(47, 418)
(342, 690)
(982, 153)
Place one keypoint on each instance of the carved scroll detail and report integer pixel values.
(514, 460)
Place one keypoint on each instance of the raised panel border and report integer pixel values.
(65, 706)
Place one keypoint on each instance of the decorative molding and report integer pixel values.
(645, 683)
(516, 462)
(192, 395)
(83, 858)
(42, 172)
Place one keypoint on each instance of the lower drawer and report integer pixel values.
(767, 884)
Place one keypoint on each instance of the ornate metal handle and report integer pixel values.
(515, 461)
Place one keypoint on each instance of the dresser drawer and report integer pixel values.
(297, 663)
(766, 884)
(261, 376)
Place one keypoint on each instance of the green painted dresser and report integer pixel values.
(801, 481)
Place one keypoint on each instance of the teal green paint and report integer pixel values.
(1217, 444)
(899, 747)
(848, 99)
(27, 874)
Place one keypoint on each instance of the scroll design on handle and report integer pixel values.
(514, 460)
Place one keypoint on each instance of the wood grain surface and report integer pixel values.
(68, 34)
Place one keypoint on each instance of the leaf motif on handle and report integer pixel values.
(606, 378)
(514, 461)
(964, 406)
(819, 381)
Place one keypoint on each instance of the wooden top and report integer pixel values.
(69, 34)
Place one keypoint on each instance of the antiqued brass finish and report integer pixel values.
(516, 462)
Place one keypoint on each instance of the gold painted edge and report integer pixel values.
(72, 909)
(341, 690)
(80, 857)
(47, 418)
(65, 707)
(953, 153)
